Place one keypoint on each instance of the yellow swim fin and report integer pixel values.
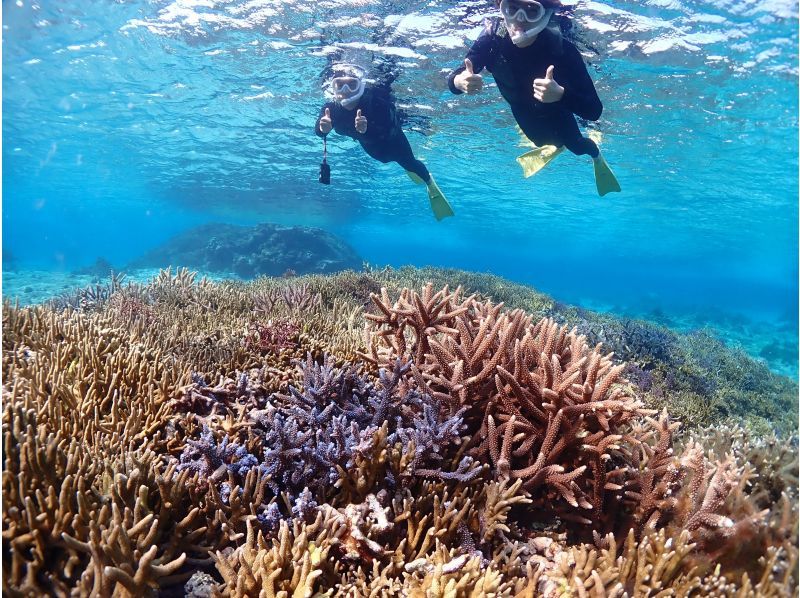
(417, 180)
(603, 177)
(595, 136)
(536, 159)
(441, 209)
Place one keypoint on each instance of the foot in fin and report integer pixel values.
(536, 159)
(441, 209)
(603, 177)
(415, 177)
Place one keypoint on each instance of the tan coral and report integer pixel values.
(548, 408)
(291, 564)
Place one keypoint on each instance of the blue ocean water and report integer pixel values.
(126, 122)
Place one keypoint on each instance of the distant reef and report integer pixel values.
(250, 251)
(102, 268)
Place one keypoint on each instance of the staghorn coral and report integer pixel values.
(727, 517)
(658, 564)
(210, 459)
(290, 562)
(130, 444)
(82, 423)
(272, 337)
(84, 524)
(90, 298)
(338, 430)
(548, 409)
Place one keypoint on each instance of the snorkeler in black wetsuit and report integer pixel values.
(543, 78)
(367, 113)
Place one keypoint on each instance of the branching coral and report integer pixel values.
(548, 409)
(656, 565)
(76, 523)
(338, 429)
(469, 456)
(272, 337)
(289, 563)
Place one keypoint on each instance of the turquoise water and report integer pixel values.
(125, 123)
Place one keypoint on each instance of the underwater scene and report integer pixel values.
(458, 298)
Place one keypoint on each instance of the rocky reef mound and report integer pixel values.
(250, 251)
(371, 434)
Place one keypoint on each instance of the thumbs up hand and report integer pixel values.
(547, 90)
(325, 122)
(361, 122)
(468, 81)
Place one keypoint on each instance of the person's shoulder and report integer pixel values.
(492, 27)
(378, 91)
(570, 48)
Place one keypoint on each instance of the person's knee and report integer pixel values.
(583, 146)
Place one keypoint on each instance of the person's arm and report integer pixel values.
(329, 107)
(478, 56)
(580, 96)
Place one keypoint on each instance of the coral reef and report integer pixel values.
(101, 268)
(315, 436)
(264, 249)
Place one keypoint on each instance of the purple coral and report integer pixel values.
(212, 460)
(330, 423)
(305, 507)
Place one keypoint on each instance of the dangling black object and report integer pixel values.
(324, 168)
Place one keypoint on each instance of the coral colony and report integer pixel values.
(310, 437)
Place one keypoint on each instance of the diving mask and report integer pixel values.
(525, 19)
(348, 83)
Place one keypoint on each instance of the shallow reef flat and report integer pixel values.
(411, 432)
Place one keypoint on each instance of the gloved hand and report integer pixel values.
(547, 90)
(325, 122)
(361, 122)
(467, 81)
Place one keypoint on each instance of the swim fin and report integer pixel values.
(441, 209)
(414, 177)
(536, 159)
(603, 177)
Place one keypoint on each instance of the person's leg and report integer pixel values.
(401, 152)
(399, 149)
(377, 151)
(396, 148)
(582, 146)
(571, 138)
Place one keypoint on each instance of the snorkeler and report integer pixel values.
(544, 80)
(367, 113)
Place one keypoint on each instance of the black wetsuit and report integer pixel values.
(384, 139)
(514, 70)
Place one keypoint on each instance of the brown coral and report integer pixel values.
(100, 403)
(548, 409)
